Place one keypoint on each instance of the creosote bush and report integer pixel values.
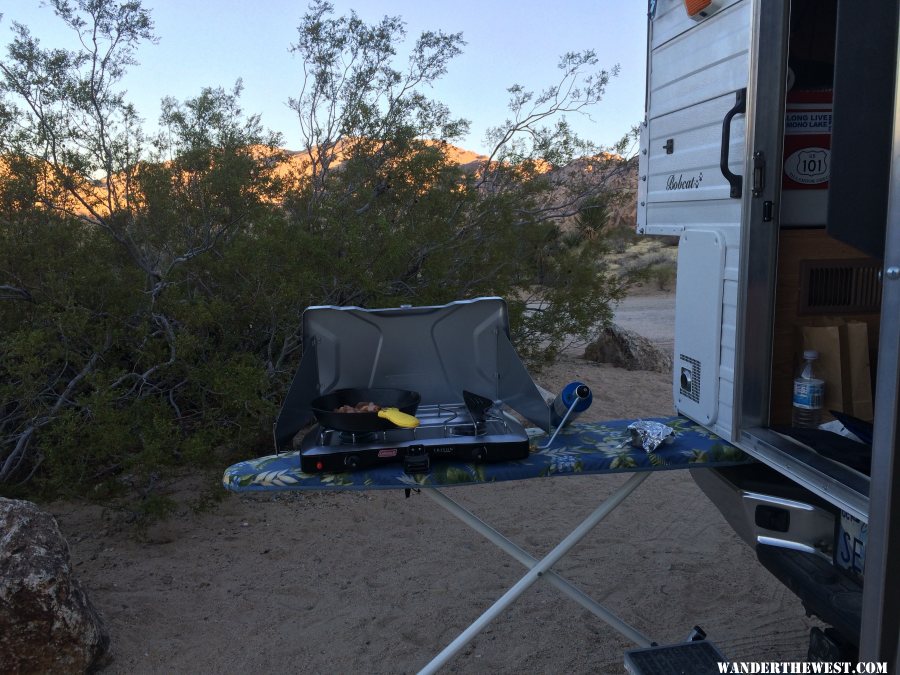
(151, 288)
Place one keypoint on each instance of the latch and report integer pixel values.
(759, 173)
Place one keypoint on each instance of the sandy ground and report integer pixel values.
(372, 582)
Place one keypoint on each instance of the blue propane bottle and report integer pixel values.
(574, 399)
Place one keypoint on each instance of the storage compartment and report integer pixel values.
(827, 292)
(820, 282)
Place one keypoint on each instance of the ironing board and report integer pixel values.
(579, 449)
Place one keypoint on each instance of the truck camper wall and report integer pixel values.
(763, 261)
(771, 148)
(698, 74)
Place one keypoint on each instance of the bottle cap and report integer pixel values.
(810, 354)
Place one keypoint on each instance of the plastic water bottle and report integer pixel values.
(809, 394)
(575, 396)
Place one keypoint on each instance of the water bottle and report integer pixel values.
(575, 396)
(809, 394)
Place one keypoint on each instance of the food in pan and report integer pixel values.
(361, 407)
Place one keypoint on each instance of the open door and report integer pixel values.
(880, 635)
(712, 78)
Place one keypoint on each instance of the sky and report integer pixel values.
(202, 44)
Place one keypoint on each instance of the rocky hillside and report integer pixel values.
(573, 183)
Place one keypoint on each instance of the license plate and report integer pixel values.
(850, 552)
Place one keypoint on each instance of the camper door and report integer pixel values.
(697, 176)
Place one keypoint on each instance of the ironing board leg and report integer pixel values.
(529, 561)
(538, 568)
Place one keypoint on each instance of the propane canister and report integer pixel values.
(575, 395)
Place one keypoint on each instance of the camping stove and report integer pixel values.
(445, 432)
(443, 353)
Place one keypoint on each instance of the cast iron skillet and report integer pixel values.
(324, 406)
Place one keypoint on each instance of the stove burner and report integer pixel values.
(354, 438)
(474, 429)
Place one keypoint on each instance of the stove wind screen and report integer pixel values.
(437, 351)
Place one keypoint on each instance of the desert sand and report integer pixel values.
(373, 582)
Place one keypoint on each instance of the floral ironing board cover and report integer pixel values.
(581, 448)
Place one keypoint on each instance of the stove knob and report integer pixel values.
(479, 453)
(351, 461)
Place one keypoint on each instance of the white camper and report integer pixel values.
(771, 147)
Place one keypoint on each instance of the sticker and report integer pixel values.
(680, 182)
(807, 122)
(387, 452)
(808, 166)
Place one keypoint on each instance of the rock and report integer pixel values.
(626, 349)
(47, 623)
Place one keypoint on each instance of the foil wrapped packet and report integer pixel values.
(650, 435)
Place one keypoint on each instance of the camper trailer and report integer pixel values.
(771, 148)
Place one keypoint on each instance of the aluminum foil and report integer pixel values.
(650, 435)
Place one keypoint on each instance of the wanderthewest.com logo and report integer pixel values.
(790, 667)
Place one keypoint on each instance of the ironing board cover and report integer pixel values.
(581, 448)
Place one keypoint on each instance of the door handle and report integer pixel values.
(740, 107)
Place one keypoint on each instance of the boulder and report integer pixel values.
(47, 623)
(626, 349)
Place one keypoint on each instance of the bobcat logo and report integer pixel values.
(682, 183)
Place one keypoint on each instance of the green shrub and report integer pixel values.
(151, 319)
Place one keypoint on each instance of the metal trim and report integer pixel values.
(835, 483)
(784, 543)
(759, 237)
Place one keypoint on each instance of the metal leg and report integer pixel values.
(560, 426)
(529, 561)
(538, 568)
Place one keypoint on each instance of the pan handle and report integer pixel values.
(398, 417)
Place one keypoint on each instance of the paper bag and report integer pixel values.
(843, 363)
(860, 370)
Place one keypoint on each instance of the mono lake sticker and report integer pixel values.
(681, 182)
(807, 122)
(809, 166)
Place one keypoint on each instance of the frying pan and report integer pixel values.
(400, 400)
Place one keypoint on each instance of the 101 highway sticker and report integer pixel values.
(808, 166)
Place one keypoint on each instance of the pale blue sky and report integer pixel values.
(509, 42)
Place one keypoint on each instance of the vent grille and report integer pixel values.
(839, 287)
(689, 385)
